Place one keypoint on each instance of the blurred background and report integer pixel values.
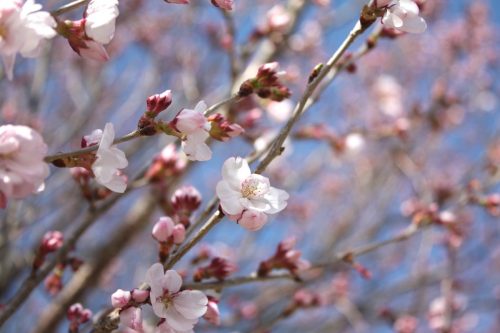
(411, 127)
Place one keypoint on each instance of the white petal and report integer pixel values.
(258, 204)
(172, 281)
(234, 171)
(414, 24)
(229, 198)
(108, 136)
(192, 304)
(177, 321)
(200, 107)
(154, 276)
(277, 199)
(409, 6)
(116, 184)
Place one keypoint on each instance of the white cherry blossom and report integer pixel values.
(403, 15)
(109, 160)
(23, 28)
(195, 126)
(100, 20)
(248, 196)
(180, 309)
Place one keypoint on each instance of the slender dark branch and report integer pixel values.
(69, 7)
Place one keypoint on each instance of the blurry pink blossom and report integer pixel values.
(109, 160)
(213, 314)
(388, 95)
(278, 18)
(194, 125)
(403, 15)
(181, 2)
(181, 309)
(248, 196)
(22, 168)
(224, 4)
(280, 111)
(406, 324)
(23, 28)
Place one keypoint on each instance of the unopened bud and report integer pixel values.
(158, 103)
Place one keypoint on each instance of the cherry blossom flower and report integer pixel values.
(23, 28)
(181, 309)
(165, 230)
(195, 126)
(248, 197)
(100, 18)
(403, 15)
(22, 169)
(109, 160)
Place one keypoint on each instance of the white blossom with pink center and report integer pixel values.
(246, 196)
(109, 160)
(403, 15)
(22, 168)
(100, 18)
(195, 126)
(23, 28)
(180, 309)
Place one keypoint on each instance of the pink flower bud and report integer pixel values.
(223, 130)
(179, 233)
(139, 295)
(52, 241)
(163, 229)
(158, 103)
(186, 200)
(120, 298)
(252, 220)
(224, 4)
(212, 315)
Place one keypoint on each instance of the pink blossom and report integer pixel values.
(213, 313)
(224, 4)
(195, 126)
(252, 220)
(181, 309)
(23, 28)
(403, 15)
(278, 18)
(181, 2)
(163, 229)
(22, 168)
(120, 298)
(179, 234)
(139, 295)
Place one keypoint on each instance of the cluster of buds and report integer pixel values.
(222, 129)
(54, 282)
(266, 84)
(219, 268)
(185, 201)
(77, 315)
(284, 258)
(122, 299)
(155, 104)
(51, 242)
(166, 233)
(303, 299)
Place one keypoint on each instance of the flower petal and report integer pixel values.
(234, 171)
(192, 304)
(229, 198)
(172, 281)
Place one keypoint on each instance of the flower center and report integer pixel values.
(167, 298)
(253, 187)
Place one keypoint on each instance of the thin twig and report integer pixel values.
(68, 7)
